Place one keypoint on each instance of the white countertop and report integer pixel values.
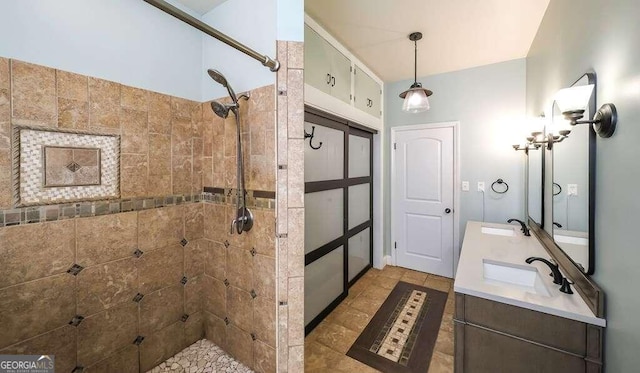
(470, 280)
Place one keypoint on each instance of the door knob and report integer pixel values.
(447, 210)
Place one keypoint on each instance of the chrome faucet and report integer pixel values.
(523, 226)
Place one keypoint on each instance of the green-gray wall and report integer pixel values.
(575, 36)
(489, 103)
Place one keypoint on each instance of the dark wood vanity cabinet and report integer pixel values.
(496, 337)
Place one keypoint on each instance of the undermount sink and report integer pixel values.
(582, 241)
(509, 232)
(514, 276)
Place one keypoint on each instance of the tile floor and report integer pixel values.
(326, 346)
(201, 357)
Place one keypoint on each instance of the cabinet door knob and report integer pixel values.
(333, 81)
(328, 78)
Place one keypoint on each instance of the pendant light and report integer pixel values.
(415, 98)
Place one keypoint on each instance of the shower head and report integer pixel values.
(222, 110)
(220, 79)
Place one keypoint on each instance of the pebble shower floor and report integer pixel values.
(201, 357)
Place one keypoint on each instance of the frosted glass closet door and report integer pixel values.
(359, 252)
(359, 156)
(323, 283)
(359, 204)
(326, 163)
(323, 218)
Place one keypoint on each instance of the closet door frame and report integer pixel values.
(348, 128)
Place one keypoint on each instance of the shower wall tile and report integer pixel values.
(5, 76)
(160, 309)
(295, 55)
(73, 114)
(161, 345)
(194, 221)
(182, 173)
(194, 328)
(134, 180)
(264, 276)
(240, 268)
(264, 358)
(105, 285)
(35, 307)
(135, 136)
(160, 227)
(159, 113)
(159, 154)
(194, 294)
(106, 238)
(215, 260)
(104, 103)
(215, 222)
(160, 268)
(33, 94)
(29, 252)
(102, 334)
(124, 360)
(295, 103)
(181, 108)
(60, 342)
(240, 345)
(72, 86)
(295, 326)
(263, 233)
(295, 241)
(295, 176)
(240, 308)
(194, 256)
(264, 315)
(216, 330)
(134, 98)
(215, 301)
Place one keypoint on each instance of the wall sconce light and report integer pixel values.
(537, 139)
(573, 103)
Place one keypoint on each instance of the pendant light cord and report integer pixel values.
(415, 61)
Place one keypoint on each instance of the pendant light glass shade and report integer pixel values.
(415, 98)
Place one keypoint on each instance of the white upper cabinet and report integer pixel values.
(367, 93)
(337, 82)
(325, 68)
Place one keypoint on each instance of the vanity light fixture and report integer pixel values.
(415, 98)
(573, 103)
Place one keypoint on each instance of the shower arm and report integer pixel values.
(272, 64)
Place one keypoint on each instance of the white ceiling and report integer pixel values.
(201, 6)
(457, 34)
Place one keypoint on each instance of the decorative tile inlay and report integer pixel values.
(54, 166)
(396, 339)
(138, 253)
(184, 318)
(226, 320)
(253, 251)
(77, 319)
(75, 269)
(138, 298)
(138, 340)
(184, 280)
(226, 244)
(253, 294)
(282, 303)
(226, 282)
(78, 369)
(253, 336)
(184, 242)
(67, 166)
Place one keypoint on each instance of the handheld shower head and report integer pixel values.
(222, 110)
(220, 79)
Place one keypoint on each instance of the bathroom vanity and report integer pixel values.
(511, 317)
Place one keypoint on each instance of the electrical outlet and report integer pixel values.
(480, 186)
(465, 186)
(572, 189)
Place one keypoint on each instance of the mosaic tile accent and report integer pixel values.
(40, 214)
(397, 338)
(254, 198)
(202, 356)
(82, 166)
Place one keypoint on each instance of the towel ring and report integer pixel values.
(559, 189)
(500, 182)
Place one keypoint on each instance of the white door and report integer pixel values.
(423, 199)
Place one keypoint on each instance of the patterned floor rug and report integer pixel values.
(401, 336)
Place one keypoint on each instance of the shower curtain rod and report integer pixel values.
(272, 64)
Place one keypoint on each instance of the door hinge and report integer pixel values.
(350, 97)
(350, 68)
(394, 146)
(395, 245)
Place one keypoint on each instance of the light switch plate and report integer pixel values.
(572, 189)
(480, 186)
(465, 186)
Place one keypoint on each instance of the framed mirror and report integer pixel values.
(535, 208)
(573, 186)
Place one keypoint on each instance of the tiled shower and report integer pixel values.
(122, 284)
